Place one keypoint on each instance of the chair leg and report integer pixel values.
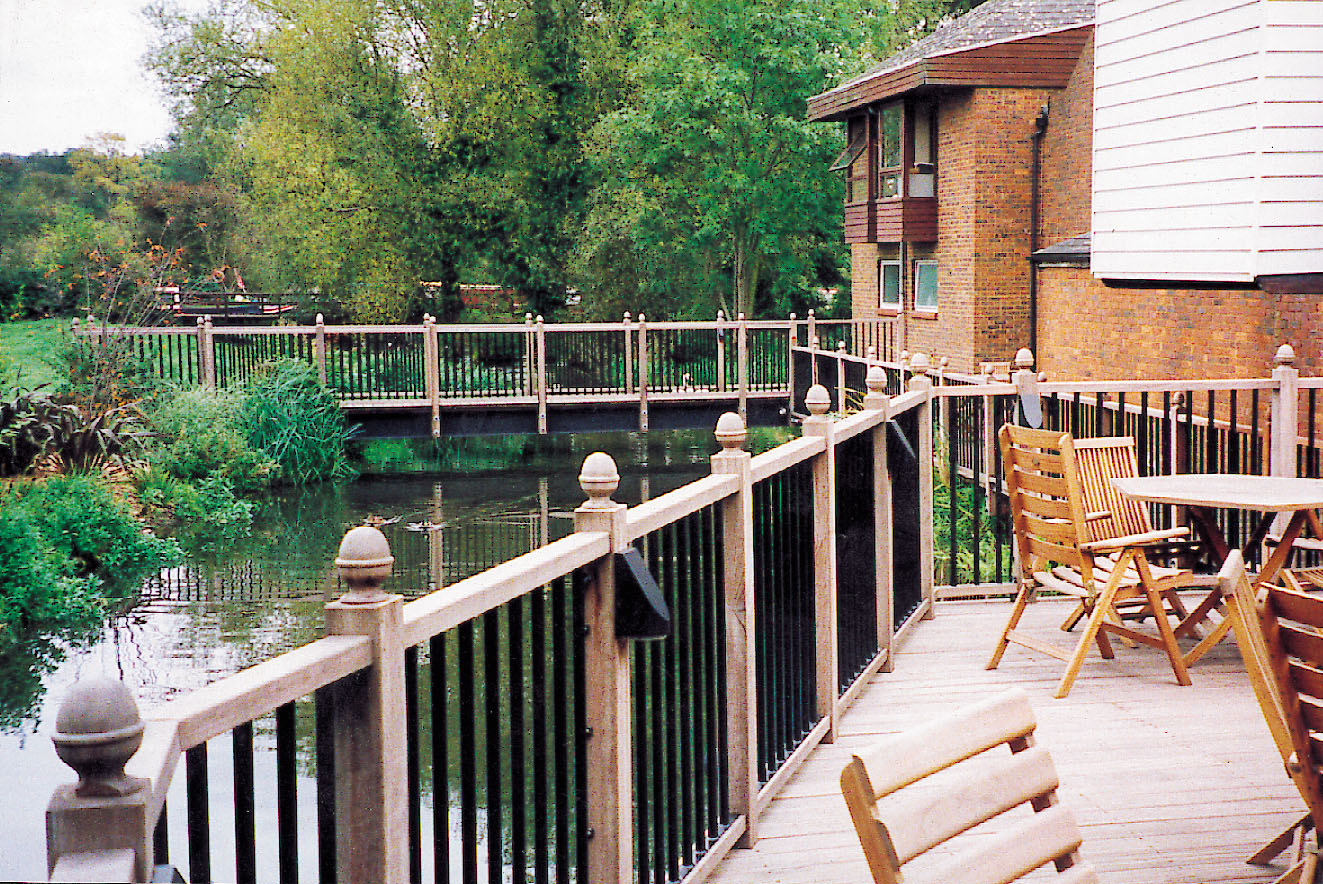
(1090, 635)
(1074, 618)
(1280, 842)
(1021, 601)
(1164, 625)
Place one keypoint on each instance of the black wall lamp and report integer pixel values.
(641, 611)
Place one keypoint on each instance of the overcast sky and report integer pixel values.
(72, 68)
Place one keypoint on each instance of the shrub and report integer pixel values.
(87, 528)
(33, 425)
(288, 414)
(37, 588)
(207, 514)
(201, 434)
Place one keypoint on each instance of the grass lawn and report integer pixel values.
(27, 345)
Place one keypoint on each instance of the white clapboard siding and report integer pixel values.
(1208, 139)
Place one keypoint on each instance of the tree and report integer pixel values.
(710, 174)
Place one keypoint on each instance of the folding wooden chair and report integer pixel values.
(1056, 552)
(1241, 611)
(895, 824)
(1108, 513)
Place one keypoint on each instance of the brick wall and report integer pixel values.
(1066, 182)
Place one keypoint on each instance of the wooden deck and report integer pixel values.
(1169, 784)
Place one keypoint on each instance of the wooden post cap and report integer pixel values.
(599, 477)
(1024, 358)
(919, 363)
(818, 400)
(731, 432)
(364, 561)
(97, 730)
(876, 381)
(1285, 355)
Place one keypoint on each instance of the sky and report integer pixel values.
(70, 69)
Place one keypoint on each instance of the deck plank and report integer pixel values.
(1170, 784)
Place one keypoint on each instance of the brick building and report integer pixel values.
(1133, 212)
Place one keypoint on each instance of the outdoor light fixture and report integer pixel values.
(641, 611)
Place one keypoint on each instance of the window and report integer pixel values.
(923, 173)
(853, 162)
(888, 276)
(925, 286)
(889, 154)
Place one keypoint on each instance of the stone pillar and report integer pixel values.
(1284, 417)
(877, 400)
(371, 767)
(818, 401)
(98, 829)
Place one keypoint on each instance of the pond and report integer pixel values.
(448, 512)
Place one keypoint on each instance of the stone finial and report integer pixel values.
(75, 325)
(943, 363)
(739, 317)
(876, 380)
(840, 346)
(818, 400)
(428, 319)
(321, 320)
(642, 319)
(528, 318)
(599, 478)
(812, 313)
(97, 730)
(626, 317)
(1024, 358)
(201, 321)
(364, 561)
(539, 320)
(904, 357)
(731, 432)
(1285, 355)
(919, 363)
(871, 353)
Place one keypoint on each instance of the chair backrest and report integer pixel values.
(1047, 509)
(895, 825)
(1293, 651)
(1238, 595)
(1108, 513)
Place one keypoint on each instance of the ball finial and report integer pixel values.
(1024, 358)
(876, 380)
(97, 730)
(818, 400)
(599, 477)
(731, 432)
(1285, 355)
(364, 561)
(919, 363)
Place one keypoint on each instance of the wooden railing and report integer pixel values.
(531, 364)
(566, 729)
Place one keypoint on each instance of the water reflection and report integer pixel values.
(460, 509)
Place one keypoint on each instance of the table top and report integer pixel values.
(1262, 493)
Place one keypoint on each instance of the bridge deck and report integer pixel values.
(1169, 784)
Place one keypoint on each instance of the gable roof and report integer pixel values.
(973, 50)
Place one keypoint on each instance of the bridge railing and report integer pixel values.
(514, 363)
(563, 734)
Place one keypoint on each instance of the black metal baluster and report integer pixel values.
(560, 729)
(468, 756)
(686, 586)
(952, 486)
(245, 821)
(717, 632)
(437, 664)
(538, 635)
(199, 822)
(413, 763)
(161, 838)
(655, 764)
(518, 697)
(642, 804)
(324, 726)
(287, 823)
(578, 633)
(492, 742)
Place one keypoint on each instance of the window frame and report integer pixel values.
(882, 304)
(896, 170)
(919, 265)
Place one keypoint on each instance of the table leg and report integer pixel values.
(1282, 553)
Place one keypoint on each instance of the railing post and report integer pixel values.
(629, 356)
(431, 372)
(921, 382)
(369, 720)
(741, 668)
(540, 348)
(812, 329)
(643, 373)
(530, 357)
(841, 388)
(884, 576)
(818, 401)
(721, 350)
(319, 349)
(97, 829)
(742, 369)
(206, 354)
(792, 343)
(609, 750)
(1284, 420)
(989, 442)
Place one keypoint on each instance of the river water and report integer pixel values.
(448, 513)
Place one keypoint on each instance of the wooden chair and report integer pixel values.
(1250, 639)
(1056, 551)
(895, 824)
(1108, 513)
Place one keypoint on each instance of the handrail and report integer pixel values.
(675, 505)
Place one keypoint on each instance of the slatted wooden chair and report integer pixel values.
(1108, 513)
(896, 823)
(1057, 552)
(1241, 611)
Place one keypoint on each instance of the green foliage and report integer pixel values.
(25, 352)
(287, 414)
(36, 587)
(202, 435)
(207, 515)
(967, 498)
(87, 528)
(33, 425)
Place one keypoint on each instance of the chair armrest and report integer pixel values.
(1101, 514)
(1145, 539)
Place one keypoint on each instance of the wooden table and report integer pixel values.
(1203, 494)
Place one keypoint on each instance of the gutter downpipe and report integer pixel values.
(1040, 129)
